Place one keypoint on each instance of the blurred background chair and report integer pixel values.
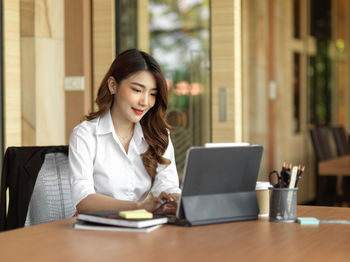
(341, 140)
(38, 185)
(326, 186)
(342, 145)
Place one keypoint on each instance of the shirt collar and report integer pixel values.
(105, 126)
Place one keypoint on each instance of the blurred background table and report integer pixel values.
(335, 166)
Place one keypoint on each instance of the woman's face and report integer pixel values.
(134, 96)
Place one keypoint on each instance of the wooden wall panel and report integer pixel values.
(27, 9)
(292, 146)
(49, 18)
(222, 58)
(42, 67)
(103, 39)
(143, 37)
(28, 90)
(77, 61)
(287, 145)
(12, 73)
(87, 56)
(347, 35)
(49, 81)
(255, 81)
(74, 62)
(27, 17)
(246, 52)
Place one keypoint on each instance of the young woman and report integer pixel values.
(123, 151)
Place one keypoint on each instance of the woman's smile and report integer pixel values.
(138, 111)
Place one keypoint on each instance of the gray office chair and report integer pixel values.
(51, 198)
(37, 181)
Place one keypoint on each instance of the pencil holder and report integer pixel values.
(283, 204)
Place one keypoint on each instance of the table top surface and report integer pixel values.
(335, 166)
(243, 241)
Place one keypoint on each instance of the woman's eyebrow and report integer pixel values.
(138, 84)
(141, 85)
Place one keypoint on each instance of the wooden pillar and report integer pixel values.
(347, 46)
(12, 73)
(143, 37)
(42, 67)
(103, 39)
(78, 87)
(226, 79)
(271, 83)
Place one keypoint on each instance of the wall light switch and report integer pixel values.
(272, 90)
(74, 83)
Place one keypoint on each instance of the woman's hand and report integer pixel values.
(166, 209)
(164, 204)
(169, 204)
(168, 198)
(152, 205)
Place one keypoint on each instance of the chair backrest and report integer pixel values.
(37, 182)
(51, 198)
(320, 141)
(341, 140)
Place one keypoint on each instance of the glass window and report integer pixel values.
(296, 18)
(126, 24)
(321, 79)
(179, 40)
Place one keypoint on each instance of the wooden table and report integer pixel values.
(258, 240)
(335, 166)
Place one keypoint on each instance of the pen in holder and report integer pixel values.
(283, 204)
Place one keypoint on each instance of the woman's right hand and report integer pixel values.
(162, 205)
(153, 204)
(166, 209)
(159, 208)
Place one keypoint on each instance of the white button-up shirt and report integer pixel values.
(99, 164)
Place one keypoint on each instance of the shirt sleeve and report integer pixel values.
(167, 179)
(81, 156)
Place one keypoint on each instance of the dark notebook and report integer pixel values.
(110, 217)
(82, 225)
(219, 185)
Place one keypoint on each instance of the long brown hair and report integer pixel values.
(154, 125)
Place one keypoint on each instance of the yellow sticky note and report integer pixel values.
(136, 214)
